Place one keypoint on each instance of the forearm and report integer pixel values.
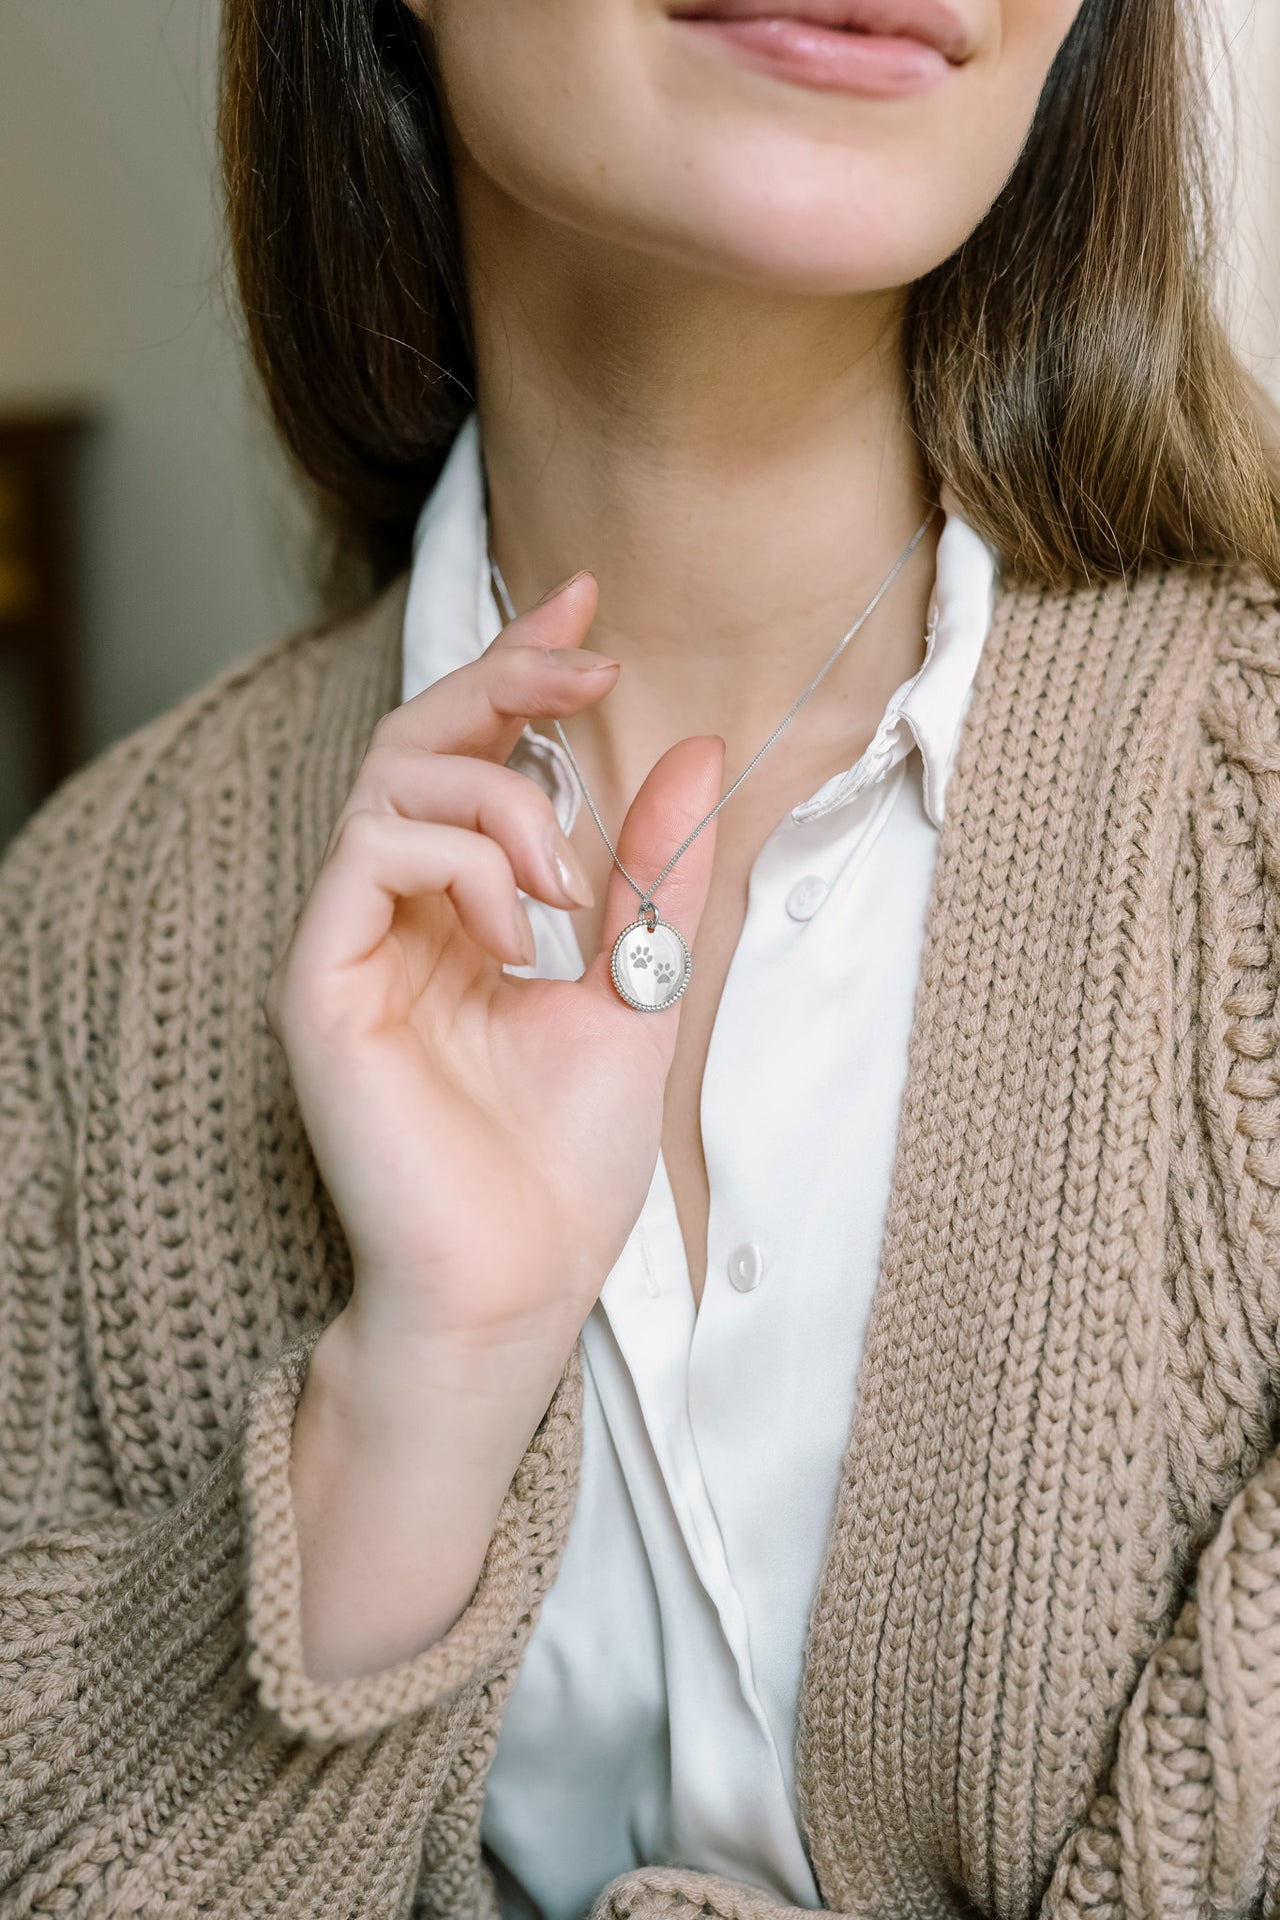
(403, 1452)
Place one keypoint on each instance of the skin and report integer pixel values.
(687, 280)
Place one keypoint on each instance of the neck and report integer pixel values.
(737, 469)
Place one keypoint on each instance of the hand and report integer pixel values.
(488, 1141)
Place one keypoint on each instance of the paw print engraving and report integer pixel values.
(664, 973)
(641, 957)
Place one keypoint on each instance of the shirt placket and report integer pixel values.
(749, 1323)
(725, 1777)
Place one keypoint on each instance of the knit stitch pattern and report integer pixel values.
(1043, 1669)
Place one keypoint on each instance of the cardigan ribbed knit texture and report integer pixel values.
(1043, 1672)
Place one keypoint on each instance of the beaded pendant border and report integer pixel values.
(651, 964)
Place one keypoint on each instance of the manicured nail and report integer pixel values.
(579, 659)
(525, 942)
(564, 586)
(568, 869)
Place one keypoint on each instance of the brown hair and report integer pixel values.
(1071, 380)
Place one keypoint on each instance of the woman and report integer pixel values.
(434, 1472)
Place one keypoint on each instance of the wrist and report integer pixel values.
(392, 1392)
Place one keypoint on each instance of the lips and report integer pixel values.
(932, 23)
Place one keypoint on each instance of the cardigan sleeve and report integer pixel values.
(161, 1745)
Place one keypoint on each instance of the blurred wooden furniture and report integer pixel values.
(39, 580)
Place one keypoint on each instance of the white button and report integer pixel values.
(746, 1266)
(806, 897)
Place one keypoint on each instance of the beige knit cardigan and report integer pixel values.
(1043, 1670)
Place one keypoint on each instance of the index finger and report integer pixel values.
(536, 668)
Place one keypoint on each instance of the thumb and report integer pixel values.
(679, 792)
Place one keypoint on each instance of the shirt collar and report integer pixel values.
(451, 616)
(927, 709)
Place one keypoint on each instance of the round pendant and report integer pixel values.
(651, 965)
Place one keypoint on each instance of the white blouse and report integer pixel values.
(654, 1718)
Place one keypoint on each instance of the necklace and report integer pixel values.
(651, 964)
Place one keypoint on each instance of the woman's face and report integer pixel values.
(837, 146)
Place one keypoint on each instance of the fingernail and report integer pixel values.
(564, 586)
(579, 659)
(525, 942)
(568, 869)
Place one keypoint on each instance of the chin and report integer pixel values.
(778, 209)
(862, 242)
(748, 218)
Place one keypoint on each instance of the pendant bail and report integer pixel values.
(649, 914)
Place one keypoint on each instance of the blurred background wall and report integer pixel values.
(111, 304)
(1251, 71)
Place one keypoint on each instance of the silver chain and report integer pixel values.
(646, 894)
